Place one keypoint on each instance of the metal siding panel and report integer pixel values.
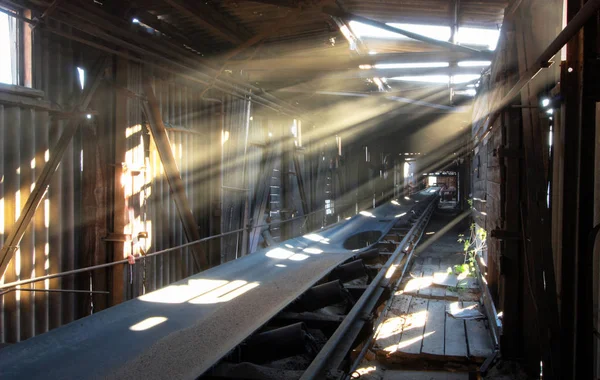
(11, 188)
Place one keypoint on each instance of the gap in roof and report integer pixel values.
(441, 79)
(411, 65)
(483, 38)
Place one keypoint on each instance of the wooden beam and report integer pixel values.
(538, 251)
(341, 62)
(11, 243)
(161, 139)
(209, 18)
(301, 188)
(262, 195)
(117, 138)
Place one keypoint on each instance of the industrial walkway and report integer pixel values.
(419, 337)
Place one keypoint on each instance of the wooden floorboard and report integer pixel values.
(390, 331)
(412, 333)
(419, 333)
(478, 337)
(456, 341)
(433, 338)
(426, 278)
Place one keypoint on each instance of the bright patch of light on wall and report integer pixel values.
(89, 116)
(550, 111)
(474, 63)
(545, 102)
(411, 65)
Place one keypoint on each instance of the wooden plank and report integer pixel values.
(159, 134)
(433, 339)
(389, 333)
(478, 338)
(412, 333)
(261, 198)
(455, 339)
(538, 251)
(11, 243)
(426, 280)
(300, 180)
(414, 283)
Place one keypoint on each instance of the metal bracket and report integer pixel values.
(114, 237)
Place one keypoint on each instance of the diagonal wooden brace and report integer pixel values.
(11, 244)
(161, 139)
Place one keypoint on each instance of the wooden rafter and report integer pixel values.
(216, 22)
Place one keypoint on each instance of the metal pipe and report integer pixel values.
(317, 366)
(585, 13)
(167, 250)
(55, 291)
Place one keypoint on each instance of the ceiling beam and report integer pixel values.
(282, 73)
(454, 17)
(211, 19)
(384, 95)
(337, 62)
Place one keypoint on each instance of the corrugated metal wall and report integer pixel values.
(73, 227)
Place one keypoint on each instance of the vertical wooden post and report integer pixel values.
(579, 80)
(287, 204)
(117, 277)
(216, 183)
(13, 239)
(538, 251)
(161, 139)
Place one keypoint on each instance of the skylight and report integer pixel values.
(486, 38)
(442, 79)
(411, 65)
(433, 31)
(474, 63)
(479, 37)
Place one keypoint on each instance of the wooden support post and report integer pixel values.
(161, 139)
(538, 251)
(286, 198)
(300, 179)
(41, 184)
(509, 260)
(578, 84)
(117, 248)
(262, 196)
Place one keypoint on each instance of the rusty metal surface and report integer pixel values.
(181, 330)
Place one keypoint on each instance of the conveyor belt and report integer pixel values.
(183, 329)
